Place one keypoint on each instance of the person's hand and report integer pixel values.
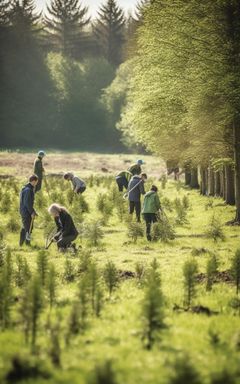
(33, 215)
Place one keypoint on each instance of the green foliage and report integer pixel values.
(69, 270)
(140, 270)
(5, 203)
(190, 269)
(103, 374)
(26, 368)
(135, 230)
(111, 277)
(55, 347)
(211, 270)
(181, 211)
(22, 273)
(6, 299)
(152, 307)
(85, 260)
(235, 269)
(42, 266)
(215, 229)
(94, 233)
(185, 372)
(13, 225)
(51, 284)
(163, 180)
(163, 230)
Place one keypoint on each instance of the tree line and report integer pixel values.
(181, 92)
(53, 69)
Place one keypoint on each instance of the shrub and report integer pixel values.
(26, 368)
(215, 229)
(211, 270)
(162, 230)
(135, 230)
(6, 299)
(103, 374)
(94, 233)
(13, 225)
(55, 348)
(140, 270)
(184, 373)
(152, 308)
(84, 260)
(163, 180)
(181, 212)
(69, 271)
(190, 269)
(23, 273)
(51, 285)
(5, 203)
(42, 266)
(111, 277)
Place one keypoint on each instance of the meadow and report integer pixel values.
(120, 309)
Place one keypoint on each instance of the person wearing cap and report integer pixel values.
(39, 170)
(27, 210)
(135, 190)
(79, 186)
(136, 169)
(122, 180)
(151, 206)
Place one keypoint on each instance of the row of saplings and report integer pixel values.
(32, 293)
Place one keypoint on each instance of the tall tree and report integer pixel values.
(66, 24)
(110, 30)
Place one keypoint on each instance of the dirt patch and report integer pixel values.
(198, 309)
(220, 277)
(125, 275)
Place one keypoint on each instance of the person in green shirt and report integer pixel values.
(122, 180)
(136, 169)
(39, 170)
(151, 206)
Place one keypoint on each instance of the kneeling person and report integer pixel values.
(151, 206)
(67, 231)
(79, 186)
(122, 180)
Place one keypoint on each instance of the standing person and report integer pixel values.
(79, 186)
(39, 170)
(67, 231)
(135, 190)
(136, 169)
(122, 180)
(151, 206)
(27, 210)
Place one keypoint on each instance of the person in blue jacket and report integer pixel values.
(135, 190)
(27, 210)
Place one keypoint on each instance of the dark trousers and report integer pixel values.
(38, 186)
(26, 224)
(65, 241)
(149, 219)
(121, 182)
(81, 190)
(135, 206)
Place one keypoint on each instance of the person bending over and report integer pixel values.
(67, 231)
(135, 190)
(136, 168)
(122, 180)
(151, 206)
(79, 186)
(27, 210)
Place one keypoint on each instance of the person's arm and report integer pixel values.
(28, 202)
(157, 202)
(141, 187)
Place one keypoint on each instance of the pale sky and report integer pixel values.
(127, 5)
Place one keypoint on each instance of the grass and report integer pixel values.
(116, 334)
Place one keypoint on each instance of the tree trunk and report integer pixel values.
(210, 182)
(229, 185)
(194, 178)
(221, 183)
(217, 186)
(187, 175)
(236, 137)
(203, 184)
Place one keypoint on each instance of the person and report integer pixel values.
(136, 169)
(151, 206)
(135, 190)
(79, 186)
(39, 170)
(67, 231)
(27, 210)
(122, 180)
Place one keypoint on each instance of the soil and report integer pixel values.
(220, 277)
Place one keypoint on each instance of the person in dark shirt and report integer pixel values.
(67, 231)
(39, 170)
(135, 190)
(27, 210)
(122, 180)
(136, 169)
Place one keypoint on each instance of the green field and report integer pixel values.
(112, 342)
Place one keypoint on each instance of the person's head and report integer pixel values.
(140, 162)
(41, 154)
(143, 176)
(68, 176)
(55, 209)
(154, 188)
(33, 180)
